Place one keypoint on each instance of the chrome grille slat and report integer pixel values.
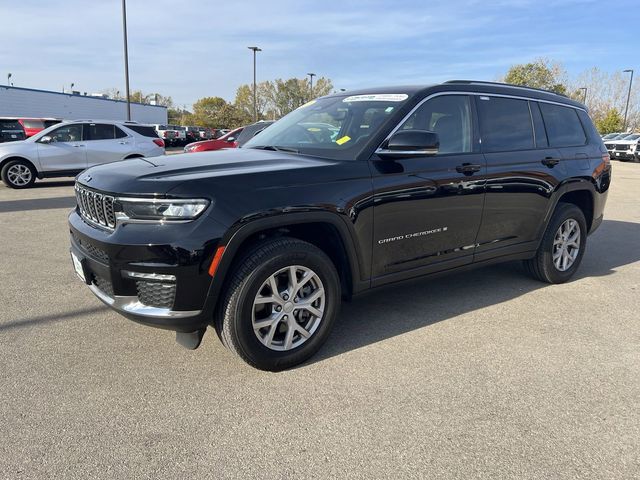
(96, 208)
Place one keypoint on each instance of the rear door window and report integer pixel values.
(101, 131)
(505, 124)
(563, 126)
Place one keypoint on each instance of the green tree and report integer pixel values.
(215, 112)
(275, 99)
(541, 73)
(610, 123)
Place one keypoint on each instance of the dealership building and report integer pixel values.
(31, 103)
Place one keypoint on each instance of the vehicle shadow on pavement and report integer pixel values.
(46, 319)
(37, 204)
(394, 310)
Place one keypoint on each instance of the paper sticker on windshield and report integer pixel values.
(377, 97)
(342, 140)
(307, 104)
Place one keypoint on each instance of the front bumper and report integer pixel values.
(623, 154)
(162, 283)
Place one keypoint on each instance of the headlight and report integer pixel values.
(160, 210)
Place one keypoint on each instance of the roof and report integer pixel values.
(479, 86)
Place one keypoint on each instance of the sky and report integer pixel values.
(189, 50)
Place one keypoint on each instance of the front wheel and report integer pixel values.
(280, 304)
(18, 174)
(562, 246)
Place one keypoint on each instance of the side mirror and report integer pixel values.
(410, 143)
(231, 139)
(46, 139)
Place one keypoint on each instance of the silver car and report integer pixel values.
(65, 149)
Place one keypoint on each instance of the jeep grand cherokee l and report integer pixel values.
(262, 242)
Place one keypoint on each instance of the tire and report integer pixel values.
(543, 266)
(18, 174)
(246, 304)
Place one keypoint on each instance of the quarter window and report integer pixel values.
(563, 126)
(450, 117)
(505, 124)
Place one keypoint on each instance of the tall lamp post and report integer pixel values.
(311, 75)
(255, 107)
(9, 75)
(626, 110)
(126, 57)
(584, 97)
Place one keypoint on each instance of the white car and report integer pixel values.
(65, 149)
(626, 148)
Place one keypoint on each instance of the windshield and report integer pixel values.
(333, 127)
(635, 136)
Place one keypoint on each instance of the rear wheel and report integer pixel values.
(280, 305)
(562, 246)
(18, 174)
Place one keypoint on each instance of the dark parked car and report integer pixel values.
(11, 130)
(251, 131)
(263, 242)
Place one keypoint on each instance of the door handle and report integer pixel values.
(124, 143)
(78, 146)
(550, 161)
(468, 168)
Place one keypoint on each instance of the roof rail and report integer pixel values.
(501, 84)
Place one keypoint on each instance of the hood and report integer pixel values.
(20, 146)
(159, 175)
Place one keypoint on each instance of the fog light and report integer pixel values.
(161, 277)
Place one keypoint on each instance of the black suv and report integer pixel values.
(348, 192)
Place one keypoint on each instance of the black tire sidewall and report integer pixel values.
(242, 331)
(5, 176)
(562, 214)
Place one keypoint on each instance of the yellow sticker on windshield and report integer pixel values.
(342, 140)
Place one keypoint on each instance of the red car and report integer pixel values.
(36, 125)
(228, 140)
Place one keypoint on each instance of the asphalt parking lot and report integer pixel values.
(487, 374)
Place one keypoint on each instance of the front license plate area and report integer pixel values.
(78, 267)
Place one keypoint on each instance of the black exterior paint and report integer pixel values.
(497, 212)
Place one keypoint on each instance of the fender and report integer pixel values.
(239, 232)
(20, 156)
(570, 185)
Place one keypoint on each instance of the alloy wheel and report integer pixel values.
(19, 175)
(566, 245)
(288, 308)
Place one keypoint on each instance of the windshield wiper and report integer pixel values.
(276, 148)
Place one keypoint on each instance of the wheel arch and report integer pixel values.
(580, 192)
(6, 160)
(325, 230)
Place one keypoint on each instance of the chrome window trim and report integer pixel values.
(477, 94)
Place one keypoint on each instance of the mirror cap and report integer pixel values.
(410, 143)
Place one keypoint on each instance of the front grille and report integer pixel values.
(96, 207)
(103, 284)
(622, 147)
(156, 294)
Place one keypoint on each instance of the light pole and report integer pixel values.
(9, 75)
(626, 110)
(311, 75)
(584, 98)
(255, 107)
(126, 57)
